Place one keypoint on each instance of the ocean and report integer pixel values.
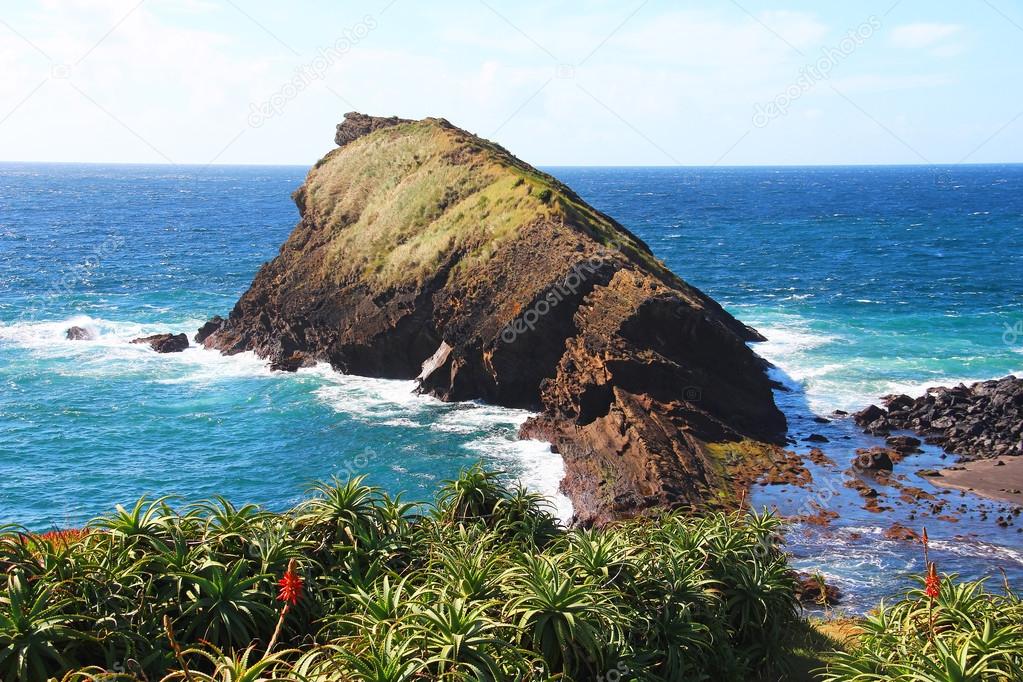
(866, 281)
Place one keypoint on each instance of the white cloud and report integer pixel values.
(916, 36)
(668, 84)
(124, 84)
(175, 85)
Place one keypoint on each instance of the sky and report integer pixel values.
(630, 82)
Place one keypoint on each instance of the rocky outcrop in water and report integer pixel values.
(426, 252)
(78, 334)
(165, 343)
(978, 421)
(875, 459)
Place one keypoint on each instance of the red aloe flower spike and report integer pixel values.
(932, 584)
(291, 591)
(291, 585)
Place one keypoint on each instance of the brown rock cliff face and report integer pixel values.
(425, 251)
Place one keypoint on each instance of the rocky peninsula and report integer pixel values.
(424, 251)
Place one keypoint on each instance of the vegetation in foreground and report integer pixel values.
(482, 585)
(944, 631)
(355, 585)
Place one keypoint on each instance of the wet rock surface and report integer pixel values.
(874, 459)
(165, 343)
(904, 445)
(899, 532)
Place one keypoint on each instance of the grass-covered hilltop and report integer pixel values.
(482, 585)
(427, 252)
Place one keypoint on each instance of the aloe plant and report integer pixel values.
(965, 634)
(37, 634)
(482, 585)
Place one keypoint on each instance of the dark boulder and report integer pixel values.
(165, 343)
(896, 403)
(879, 427)
(901, 533)
(78, 334)
(291, 363)
(868, 414)
(873, 460)
(903, 444)
(813, 589)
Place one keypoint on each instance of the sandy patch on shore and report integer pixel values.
(997, 479)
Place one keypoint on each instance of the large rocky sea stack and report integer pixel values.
(424, 251)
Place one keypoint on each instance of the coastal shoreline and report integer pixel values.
(996, 479)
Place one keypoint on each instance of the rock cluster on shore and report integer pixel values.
(979, 421)
(426, 252)
(812, 589)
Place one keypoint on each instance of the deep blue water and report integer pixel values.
(866, 280)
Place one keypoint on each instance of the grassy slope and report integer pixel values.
(398, 201)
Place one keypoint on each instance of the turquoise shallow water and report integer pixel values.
(865, 280)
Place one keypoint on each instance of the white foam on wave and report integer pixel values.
(825, 385)
(918, 388)
(542, 470)
(367, 399)
(785, 341)
(969, 547)
(51, 335)
(474, 417)
(788, 348)
(110, 352)
(489, 430)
